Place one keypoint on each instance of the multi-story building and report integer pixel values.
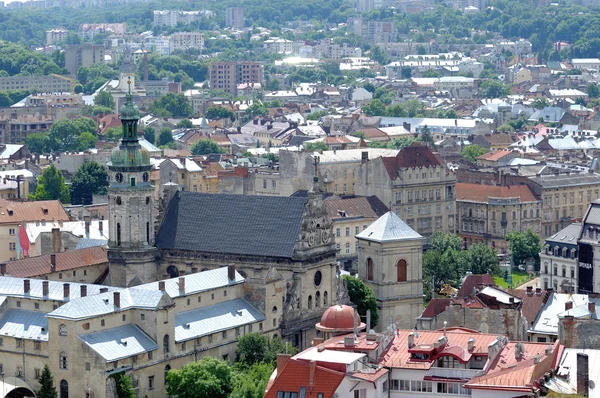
(40, 84)
(12, 217)
(190, 175)
(181, 41)
(173, 17)
(234, 17)
(559, 260)
(87, 31)
(278, 45)
(565, 198)
(16, 130)
(415, 184)
(351, 216)
(487, 213)
(227, 75)
(78, 55)
(380, 31)
(55, 35)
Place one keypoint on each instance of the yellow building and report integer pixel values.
(190, 174)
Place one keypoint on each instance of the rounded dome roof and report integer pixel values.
(129, 155)
(129, 110)
(339, 318)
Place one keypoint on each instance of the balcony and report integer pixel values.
(451, 373)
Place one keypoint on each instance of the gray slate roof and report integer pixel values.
(567, 235)
(215, 318)
(120, 342)
(21, 324)
(85, 243)
(232, 224)
(388, 228)
(146, 296)
(562, 180)
(10, 286)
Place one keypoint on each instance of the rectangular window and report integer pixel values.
(88, 366)
(102, 322)
(347, 231)
(143, 316)
(37, 345)
(265, 184)
(224, 334)
(12, 246)
(150, 382)
(338, 232)
(356, 230)
(11, 231)
(38, 372)
(19, 343)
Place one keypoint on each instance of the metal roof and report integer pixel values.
(121, 342)
(547, 320)
(567, 235)
(388, 228)
(565, 380)
(21, 324)
(198, 282)
(10, 286)
(215, 318)
(333, 356)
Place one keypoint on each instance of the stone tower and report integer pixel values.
(132, 255)
(390, 262)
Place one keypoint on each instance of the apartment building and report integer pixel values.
(173, 17)
(415, 184)
(227, 75)
(190, 175)
(181, 41)
(16, 130)
(41, 84)
(487, 213)
(55, 35)
(78, 55)
(559, 260)
(234, 17)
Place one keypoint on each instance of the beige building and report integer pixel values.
(182, 41)
(487, 213)
(390, 262)
(78, 55)
(559, 261)
(227, 75)
(14, 214)
(55, 35)
(415, 184)
(350, 216)
(190, 175)
(86, 333)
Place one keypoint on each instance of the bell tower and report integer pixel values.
(131, 254)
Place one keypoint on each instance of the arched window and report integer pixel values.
(62, 361)
(401, 269)
(166, 344)
(118, 234)
(325, 298)
(167, 368)
(369, 269)
(274, 309)
(174, 272)
(64, 389)
(310, 302)
(317, 299)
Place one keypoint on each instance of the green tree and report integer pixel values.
(47, 389)
(492, 88)
(51, 186)
(374, 108)
(104, 98)
(256, 109)
(506, 128)
(362, 296)
(91, 178)
(185, 124)
(124, 386)
(85, 125)
(316, 115)
(149, 134)
(472, 152)
(593, 91)
(431, 73)
(38, 143)
(64, 136)
(523, 246)
(315, 146)
(426, 137)
(86, 140)
(540, 103)
(401, 142)
(205, 147)
(207, 378)
(172, 105)
(482, 259)
(219, 112)
(112, 134)
(165, 136)
(254, 348)
(252, 382)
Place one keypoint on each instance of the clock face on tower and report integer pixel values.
(119, 177)
(145, 177)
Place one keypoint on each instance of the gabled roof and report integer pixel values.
(415, 155)
(296, 374)
(120, 342)
(10, 286)
(72, 259)
(474, 281)
(20, 324)
(363, 207)
(482, 193)
(435, 307)
(389, 228)
(234, 224)
(18, 212)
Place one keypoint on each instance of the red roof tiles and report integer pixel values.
(474, 281)
(415, 155)
(296, 374)
(19, 212)
(40, 265)
(482, 193)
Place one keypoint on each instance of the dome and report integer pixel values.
(338, 318)
(129, 155)
(129, 110)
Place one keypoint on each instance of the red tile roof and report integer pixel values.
(482, 193)
(494, 155)
(415, 155)
(474, 281)
(366, 206)
(371, 376)
(435, 307)
(296, 374)
(531, 305)
(40, 265)
(374, 133)
(13, 212)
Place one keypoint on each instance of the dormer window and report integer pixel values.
(10, 212)
(44, 210)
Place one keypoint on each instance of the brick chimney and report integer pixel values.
(181, 285)
(26, 286)
(52, 262)
(538, 291)
(568, 305)
(83, 290)
(56, 240)
(161, 286)
(311, 375)
(45, 288)
(583, 377)
(2, 269)
(66, 290)
(231, 272)
(282, 360)
(529, 291)
(117, 299)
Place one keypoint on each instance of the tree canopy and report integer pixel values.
(523, 246)
(91, 178)
(206, 378)
(362, 296)
(68, 135)
(256, 347)
(315, 146)
(472, 152)
(47, 389)
(172, 105)
(104, 98)
(205, 147)
(51, 186)
(219, 112)
(165, 136)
